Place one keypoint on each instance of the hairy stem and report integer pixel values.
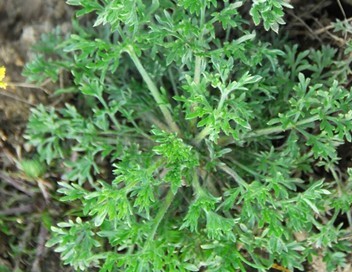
(153, 90)
(222, 99)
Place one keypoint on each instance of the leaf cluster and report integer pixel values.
(198, 144)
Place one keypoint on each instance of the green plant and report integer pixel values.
(213, 135)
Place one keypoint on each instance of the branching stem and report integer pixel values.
(223, 99)
(205, 132)
(112, 117)
(260, 132)
(278, 129)
(153, 90)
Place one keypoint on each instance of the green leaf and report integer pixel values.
(218, 226)
(191, 267)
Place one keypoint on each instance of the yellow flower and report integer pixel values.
(2, 76)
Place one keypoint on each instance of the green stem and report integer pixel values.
(201, 135)
(222, 166)
(112, 117)
(205, 132)
(155, 121)
(173, 83)
(195, 182)
(337, 179)
(197, 69)
(196, 80)
(161, 213)
(222, 99)
(228, 30)
(278, 129)
(349, 219)
(141, 131)
(260, 132)
(198, 62)
(247, 169)
(153, 90)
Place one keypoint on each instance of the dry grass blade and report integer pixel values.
(18, 184)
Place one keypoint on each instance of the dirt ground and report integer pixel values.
(21, 24)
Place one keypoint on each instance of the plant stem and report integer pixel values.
(195, 182)
(260, 132)
(196, 80)
(112, 117)
(278, 129)
(228, 30)
(222, 166)
(153, 90)
(222, 99)
(247, 169)
(161, 213)
(207, 129)
(198, 61)
(155, 121)
(197, 69)
(201, 135)
(173, 83)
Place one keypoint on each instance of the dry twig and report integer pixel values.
(18, 184)
(17, 210)
(40, 250)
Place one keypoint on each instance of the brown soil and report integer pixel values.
(22, 22)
